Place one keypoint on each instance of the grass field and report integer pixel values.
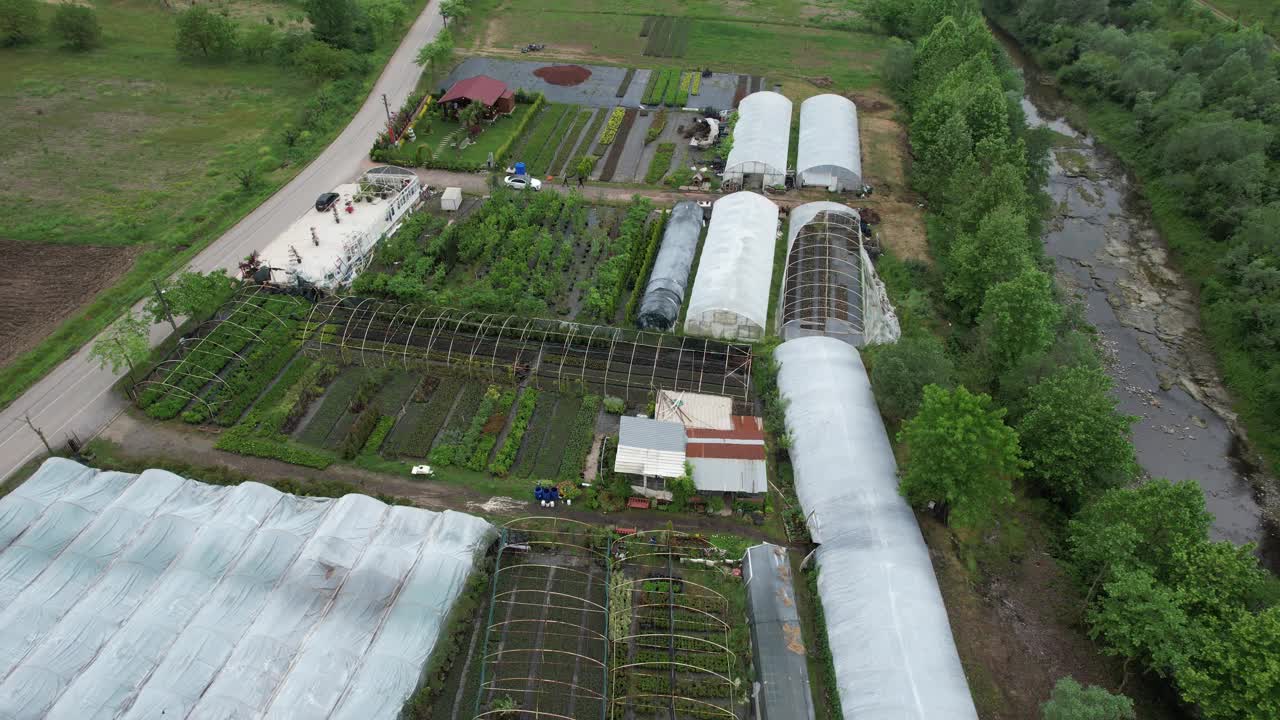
(128, 145)
(778, 38)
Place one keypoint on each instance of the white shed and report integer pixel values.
(761, 138)
(652, 448)
(451, 199)
(829, 154)
(730, 297)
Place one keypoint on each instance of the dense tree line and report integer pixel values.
(1203, 100)
(998, 379)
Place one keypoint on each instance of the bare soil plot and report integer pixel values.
(44, 284)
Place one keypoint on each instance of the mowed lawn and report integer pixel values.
(126, 143)
(775, 38)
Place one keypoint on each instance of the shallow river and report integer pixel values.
(1106, 249)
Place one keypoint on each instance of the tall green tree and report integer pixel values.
(19, 22)
(204, 34)
(454, 10)
(1235, 673)
(1000, 250)
(78, 27)
(1073, 701)
(1076, 443)
(1146, 527)
(383, 16)
(901, 370)
(124, 344)
(438, 51)
(333, 21)
(961, 455)
(1138, 618)
(190, 294)
(1019, 317)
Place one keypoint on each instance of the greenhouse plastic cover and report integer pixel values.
(137, 596)
(660, 307)
(761, 135)
(736, 267)
(891, 642)
(829, 141)
(804, 214)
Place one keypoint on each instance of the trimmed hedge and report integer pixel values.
(642, 274)
(655, 128)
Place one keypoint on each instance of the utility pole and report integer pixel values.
(387, 105)
(36, 430)
(164, 304)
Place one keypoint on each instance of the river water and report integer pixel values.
(1109, 254)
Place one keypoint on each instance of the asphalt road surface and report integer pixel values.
(76, 397)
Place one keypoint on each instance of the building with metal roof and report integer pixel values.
(730, 297)
(761, 138)
(148, 596)
(650, 448)
(777, 647)
(829, 154)
(890, 638)
(694, 410)
(729, 460)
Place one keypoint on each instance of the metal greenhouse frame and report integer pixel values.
(552, 354)
(822, 287)
(198, 343)
(545, 639)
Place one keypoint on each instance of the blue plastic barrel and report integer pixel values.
(519, 168)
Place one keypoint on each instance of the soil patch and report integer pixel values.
(47, 283)
(1017, 631)
(564, 75)
(869, 103)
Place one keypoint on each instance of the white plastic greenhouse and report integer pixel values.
(829, 154)
(761, 137)
(887, 627)
(730, 297)
(142, 596)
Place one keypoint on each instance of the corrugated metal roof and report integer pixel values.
(657, 463)
(777, 645)
(744, 427)
(651, 434)
(729, 475)
(695, 410)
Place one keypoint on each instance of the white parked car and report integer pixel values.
(520, 182)
(422, 470)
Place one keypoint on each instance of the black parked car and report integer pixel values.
(326, 201)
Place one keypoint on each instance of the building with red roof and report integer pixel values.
(490, 92)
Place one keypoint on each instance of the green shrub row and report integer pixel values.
(485, 442)
(524, 413)
(500, 155)
(695, 85)
(253, 376)
(333, 405)
(613, 276)
(379, 435)
(543, 415)
(580, 439)
(551, 454)
(626, 82)
(361, 430)
(682, 95)
(655, 88)
(641, 274)
(611, 129)
(240, 440)
(656, 127)
(422, 422)
(207, 358)
(542, 136)
(450, 443)
(673, 88)
(660, 163)
(570, 143)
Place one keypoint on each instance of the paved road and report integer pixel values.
(76, 397)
